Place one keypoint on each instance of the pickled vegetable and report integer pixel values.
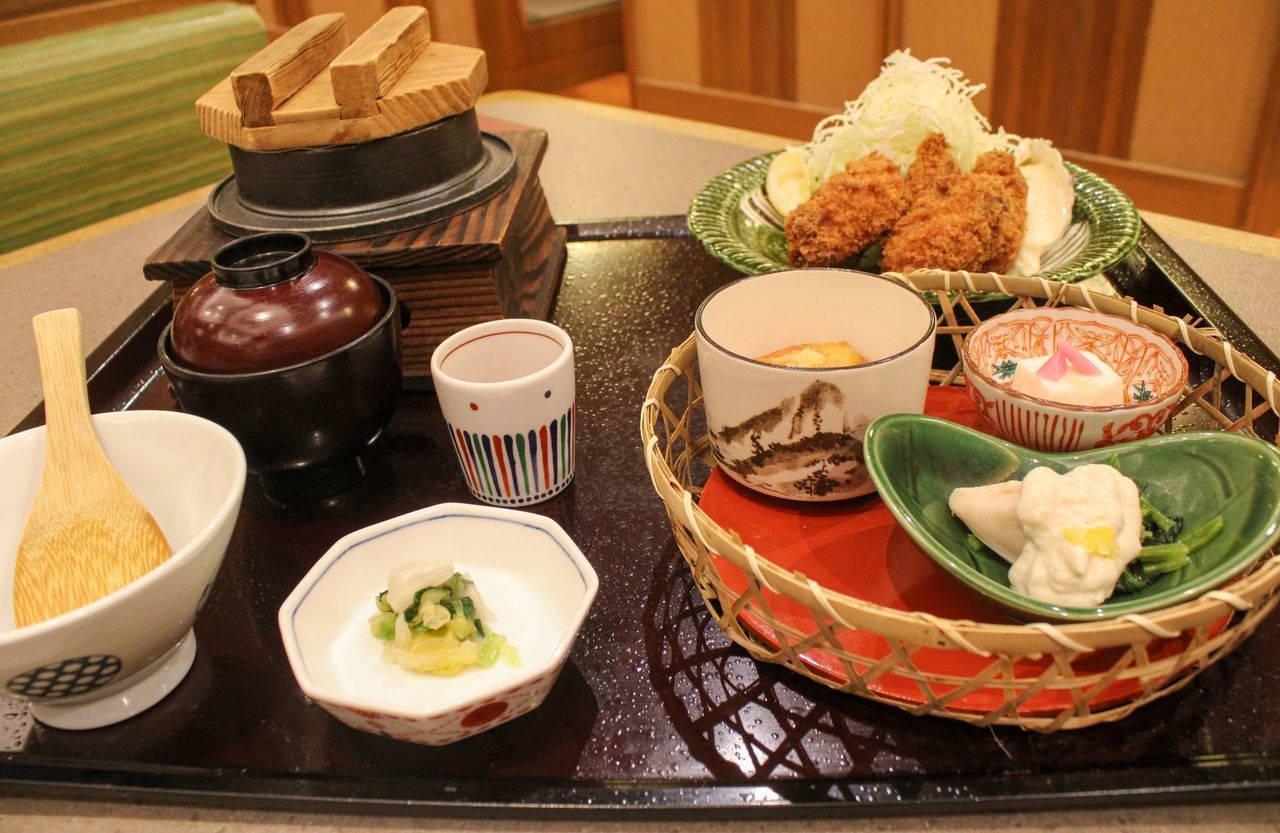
(433, 624)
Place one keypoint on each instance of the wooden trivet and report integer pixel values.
(502, 258)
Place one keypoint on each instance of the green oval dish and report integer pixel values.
(916, 461)
(1105, 225)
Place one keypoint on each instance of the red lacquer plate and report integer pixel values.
(857, 548)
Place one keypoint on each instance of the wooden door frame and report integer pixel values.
(1260, 209)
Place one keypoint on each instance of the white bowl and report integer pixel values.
(123, 653)
(535, 581)
(795, 432)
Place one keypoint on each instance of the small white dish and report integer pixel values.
(122, 654)
(534, 580)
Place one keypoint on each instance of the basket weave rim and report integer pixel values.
(980, 637)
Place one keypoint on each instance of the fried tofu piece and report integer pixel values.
(849, 212)
(815, 354)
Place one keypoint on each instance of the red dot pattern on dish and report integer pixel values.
(481, 715)
(456, 725)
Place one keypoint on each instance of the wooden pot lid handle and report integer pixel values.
(368, 68)
(309, 88)
(269, 78)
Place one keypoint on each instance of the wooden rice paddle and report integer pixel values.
(87, 534)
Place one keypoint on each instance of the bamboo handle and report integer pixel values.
(372, 64)
(269, 78)
(70, 437)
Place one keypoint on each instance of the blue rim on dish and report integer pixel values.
(1104, 229)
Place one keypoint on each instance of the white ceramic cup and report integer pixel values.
(506, 389)
(795, 432)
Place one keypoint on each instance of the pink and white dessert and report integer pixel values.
(1069, 376)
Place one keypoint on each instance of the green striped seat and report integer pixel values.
(103, 120)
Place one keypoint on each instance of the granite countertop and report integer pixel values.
(98, 269)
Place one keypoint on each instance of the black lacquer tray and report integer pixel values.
(657, 712)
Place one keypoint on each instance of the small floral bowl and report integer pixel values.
(534, 580)
(1153, 369)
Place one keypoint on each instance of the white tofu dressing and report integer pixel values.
(1079, 531)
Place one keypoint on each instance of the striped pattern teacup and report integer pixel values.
(506, 389)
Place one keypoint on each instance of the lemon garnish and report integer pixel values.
(1096, 540)
(787, 182)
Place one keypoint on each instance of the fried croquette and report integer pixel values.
(973, 222)
(849, 212)
(1012, 225)
(952, 230)
(937, 217)
(933, 166)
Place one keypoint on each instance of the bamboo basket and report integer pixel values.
(1072, 662)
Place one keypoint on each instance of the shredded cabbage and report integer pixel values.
(909, 100)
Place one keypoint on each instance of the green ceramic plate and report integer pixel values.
(1104, 230)
(915, 462)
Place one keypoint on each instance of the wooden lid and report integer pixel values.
(309, 88)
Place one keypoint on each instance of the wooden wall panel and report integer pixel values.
(282, 15)
(1070, 70)
(360, 15)
(748, 46)
(550, 55)
(838, 47)
(1209, 199)
(1203, 84)
(1261, 209)
(962, 30)
(451, 21)
(749, 112)
(666, 41)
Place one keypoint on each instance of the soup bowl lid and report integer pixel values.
(271, 301)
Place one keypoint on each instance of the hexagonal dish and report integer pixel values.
(535, 581)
